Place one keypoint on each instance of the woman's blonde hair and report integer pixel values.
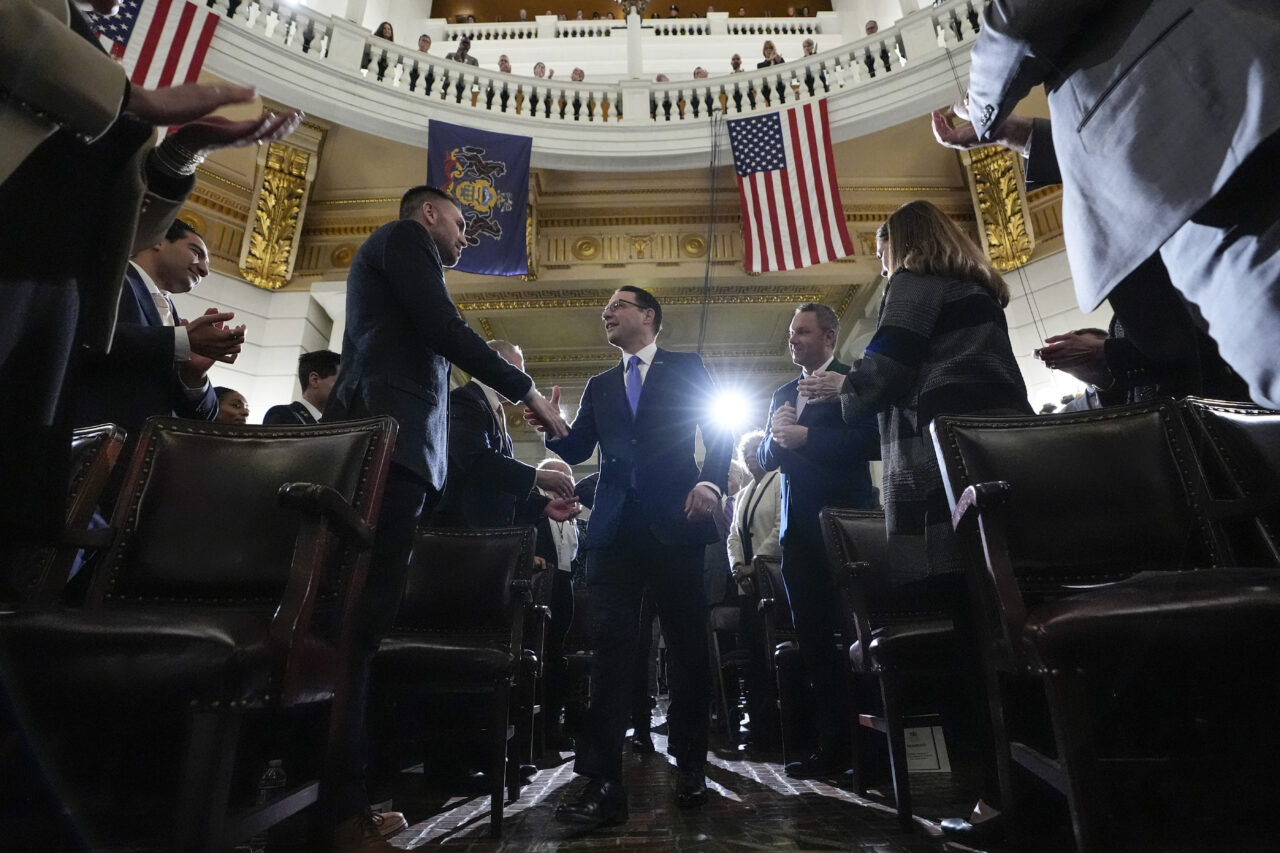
(923, 239)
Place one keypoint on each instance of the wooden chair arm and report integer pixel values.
(324, 501)
(980, 521)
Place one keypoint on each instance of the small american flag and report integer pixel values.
(791, 212)
(159, 42)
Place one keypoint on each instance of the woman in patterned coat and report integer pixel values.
(942, 348)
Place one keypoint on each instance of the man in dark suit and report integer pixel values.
(650, 523)
(824, 463)
(487, 486)
(403, 335)
(317, 373)
(158, 361)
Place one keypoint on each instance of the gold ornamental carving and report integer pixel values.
(693, 245)
(586, 248)
(285, 174)
(1000, 200)
(342, 256)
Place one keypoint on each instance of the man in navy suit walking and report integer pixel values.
(649, 527)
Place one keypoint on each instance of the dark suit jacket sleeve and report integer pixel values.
(470, 449)
(1015, 52)
(413, 271)
(852, 443)
(580, 443)
(768, 454)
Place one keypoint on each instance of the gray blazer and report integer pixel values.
(1155, 104)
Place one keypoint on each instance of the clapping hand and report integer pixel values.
(821, 385)
(556, 482)
(784, 429)
(211, 339)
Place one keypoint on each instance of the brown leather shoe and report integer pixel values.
(360, 835)
(390, 824)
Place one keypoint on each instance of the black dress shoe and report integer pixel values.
(691, 788)
(603, 803)
(817, 766)
(986, 832)
(642, 744)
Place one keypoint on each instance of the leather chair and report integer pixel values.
(782, 660)
(459, 632)
(1239, 449)
(896, 644)
(1096, 570)
(229, 543)
(727, 667)
(34, 577)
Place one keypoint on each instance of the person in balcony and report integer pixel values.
(805, 13)
(384, 31)
(424, 42)
(771, 55)
(524, 15)
(699, 73)
(809, 46)
(579, 16)
(872, 27)
(540, 71)
(463, 53)
(735, 62)
(504, 64)
(577, 75)
(673, 11)
(742, 11)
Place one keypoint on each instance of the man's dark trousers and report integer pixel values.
(617, 577)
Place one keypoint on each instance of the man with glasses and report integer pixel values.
(649, 526)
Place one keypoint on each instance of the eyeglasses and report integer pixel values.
(614, 307)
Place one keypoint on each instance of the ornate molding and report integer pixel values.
(515, 300)
(285, 174)
(999, 197)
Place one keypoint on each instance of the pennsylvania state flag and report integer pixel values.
(488, 175)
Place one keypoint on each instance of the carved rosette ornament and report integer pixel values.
(285, 174)
(1000, 200)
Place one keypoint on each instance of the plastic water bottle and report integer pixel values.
(269, 786)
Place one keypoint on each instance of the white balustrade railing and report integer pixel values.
(348, 49)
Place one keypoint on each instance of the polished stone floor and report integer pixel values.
(752, 806)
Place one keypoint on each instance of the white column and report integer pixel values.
(635, 59)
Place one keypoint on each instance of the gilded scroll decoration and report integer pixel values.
(1001, 204)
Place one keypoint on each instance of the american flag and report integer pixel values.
(159, 42)
(791, 211)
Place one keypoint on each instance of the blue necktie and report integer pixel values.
(633, 382)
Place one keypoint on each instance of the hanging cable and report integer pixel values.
(716, 119)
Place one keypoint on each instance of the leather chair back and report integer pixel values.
(193, 486)
(1239, 447)
(1127, 470)
(36, 575)
(772, 586)
(461, 581)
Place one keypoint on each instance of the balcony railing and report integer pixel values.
(398, 82)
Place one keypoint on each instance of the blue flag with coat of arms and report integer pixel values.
(488, 175)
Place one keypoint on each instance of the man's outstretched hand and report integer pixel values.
(562, 509)
(544, 414)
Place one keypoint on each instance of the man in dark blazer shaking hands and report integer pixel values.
(650, 523)
(402, 337)
(824, 463)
